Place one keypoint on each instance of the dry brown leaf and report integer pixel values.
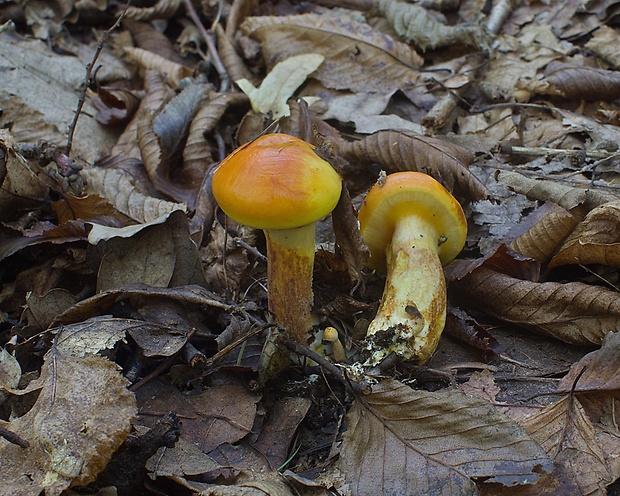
(547, 228)
(577, 82)
(604, 43)
(397, 151)
(158, 255)
(357, 57)
(115, 105)
(163, 9)
(81, 416)
(280, 426)
(157, 94)
(566, 433)
(44, 232)
(597, 371)
(235, 66)
(415, 24)
(118, 188)
(172, 71)
(403, 441)
(572, 312)
(100, 303)
(596, 240)
(24, 184)
(197, 153)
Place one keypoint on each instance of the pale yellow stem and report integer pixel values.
(290, 254)
(412, 313)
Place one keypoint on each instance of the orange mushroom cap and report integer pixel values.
(276, 182)
(411, 193)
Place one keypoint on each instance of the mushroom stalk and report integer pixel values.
(289, 277)
(413, 307)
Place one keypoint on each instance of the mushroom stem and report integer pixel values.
(412, 312)
(289, 277)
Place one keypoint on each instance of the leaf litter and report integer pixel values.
(136, 337)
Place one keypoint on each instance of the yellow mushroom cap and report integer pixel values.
(276, 182)
(411, 193)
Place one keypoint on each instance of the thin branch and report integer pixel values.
(89, 76)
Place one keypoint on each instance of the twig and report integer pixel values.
(208, 37)
(89, 76)
(11, 437)
(302, 350)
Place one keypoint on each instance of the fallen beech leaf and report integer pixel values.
(198, 153)
(463, 327)
(596, 240)
(404, 441)
(573, 312)
(601, 370)
(357, 57)
(97, 334)
(414, 23)
(400, 151)
(95, 305)
(157, 94)
(163, 9)
(566, 433)
(583, 83)
(115, 105)
(117, 187)
(280, 84)
(280, 426)
(81, 416)
(160, 254)
(172, 71)
(547, 228)
(10, 374)
(24, 184)
(603, 43)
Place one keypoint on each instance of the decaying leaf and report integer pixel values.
(547, 228)
(81, 416)
(163, 9)
(356, 56)
(596, 371)
(172, 71)
(280, 84)
(583, 83)
(399, 151)
(596, 240)
(566, 433)
(403, 441)
(118, 188)
(414, 23)
(572, 312)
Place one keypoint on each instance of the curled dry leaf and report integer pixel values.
(544, 234)
(198, 153)
(604, 43)
(357, 57)
(596, 371)
(414, 23)
(82, 415)
(117, 187)
(100, 303)
(580, 461)
(572, 312)
(404, 441)
(399, 151)
(583, 83)
(115, 105)
(596, 240)
(163, 9)
(157, 93)
(172, 71)
(235, 66)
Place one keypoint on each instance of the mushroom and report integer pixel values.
(279, 184)
(330, 335)
(412, 226)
